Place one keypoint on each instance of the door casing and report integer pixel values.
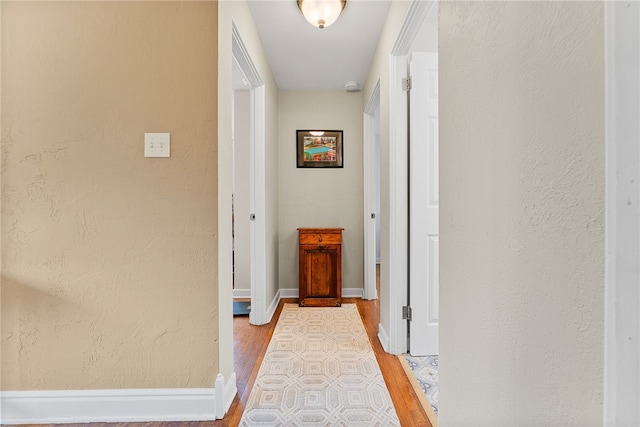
(257, 202)
(369, 161)
(394, 340)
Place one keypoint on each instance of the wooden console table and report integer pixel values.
(320, 267)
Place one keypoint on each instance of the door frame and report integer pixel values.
(257, 168)
(622, 319)
(398, 175)
(369, 161)
(230, 47)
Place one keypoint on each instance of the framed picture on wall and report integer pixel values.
(319, 148)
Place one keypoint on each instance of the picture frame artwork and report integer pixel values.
(319, 148)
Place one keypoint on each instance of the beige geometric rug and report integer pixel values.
(319, 370)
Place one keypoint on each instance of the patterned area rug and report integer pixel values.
(425, 371)
(320, 370)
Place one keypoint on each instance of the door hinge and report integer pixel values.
(406, 313)
(406, 84)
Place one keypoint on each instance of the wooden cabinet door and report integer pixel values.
(321, 269)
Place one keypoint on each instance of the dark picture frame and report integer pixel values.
(319, 148)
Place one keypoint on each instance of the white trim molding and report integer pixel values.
(258, 315)
(242, 293)
(346, 293)
(294, 293)
(289, 293)
(241, 53)
(271, 311)
(396, 340)
(622, 296)
(383, 337)
(398, 173)
(123, 405)
(257, 196)
(369, 170)
(398, 205)
(352, 292)
(230, 391)
(416, 15)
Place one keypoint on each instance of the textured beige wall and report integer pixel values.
(321, 197)
(522, 213)
(108, 258)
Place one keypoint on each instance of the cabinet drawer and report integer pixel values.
(320, 238)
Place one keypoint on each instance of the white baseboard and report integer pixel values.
(352, 292)
(383, 337)
(274, 305)
(294, 293)
(242, 293)
(118, 405)
(289, 293)
(346, 293)
(230, 392)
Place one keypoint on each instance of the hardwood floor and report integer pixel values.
(250, 344)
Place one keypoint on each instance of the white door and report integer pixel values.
(424, 204)
(371, 150)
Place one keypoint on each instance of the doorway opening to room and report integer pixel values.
(371, 167)
(241, 230)
(248, 194)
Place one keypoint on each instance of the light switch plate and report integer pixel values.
(157, 144)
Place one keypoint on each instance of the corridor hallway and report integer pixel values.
(250, 345)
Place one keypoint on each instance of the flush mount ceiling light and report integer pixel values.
(321, 13)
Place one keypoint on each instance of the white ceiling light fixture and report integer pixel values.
(321, 13)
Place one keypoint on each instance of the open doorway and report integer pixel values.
(241, 192)
(371, 167)
(376, 180)
(249, 211)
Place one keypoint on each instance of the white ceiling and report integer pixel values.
(303, 57)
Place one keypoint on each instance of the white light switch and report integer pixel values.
(156, 144)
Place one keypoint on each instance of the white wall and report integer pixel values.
(522, 213)
(241, 190)
(321, 197)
